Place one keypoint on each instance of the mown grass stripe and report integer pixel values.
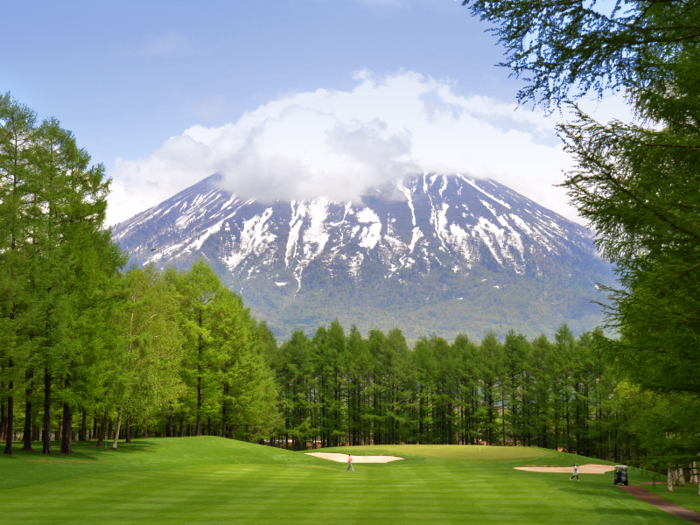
(211, 480)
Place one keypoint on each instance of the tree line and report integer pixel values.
(565, 394)
(338, 388)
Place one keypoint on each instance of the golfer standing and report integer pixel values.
(349, 464)
(575, 473)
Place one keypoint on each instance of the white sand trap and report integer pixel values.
(343, 458)
(582, 469)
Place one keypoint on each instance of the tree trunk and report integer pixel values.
(198, 431)
(101, 430)
(28, 412)
(83, 427)
(2, 413)
(128, 429)
(170, 425)
(47, 413)
(115, 443)
(199, 380)
(10, 425)
(223, 412)
(669, 480)
(105, 426)
(67, 439)
(503, 416)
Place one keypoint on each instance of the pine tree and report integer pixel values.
(296, 386)
(359, 368)
(516, 356)
(251, 392)
(199, 289)
(17, 137)
(491, 376)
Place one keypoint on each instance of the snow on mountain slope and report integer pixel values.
(416, 234)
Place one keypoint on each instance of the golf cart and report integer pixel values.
(621, 475)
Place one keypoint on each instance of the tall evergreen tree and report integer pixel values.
(17, 138)
(491, 375)
(53, 205)
(199, 289)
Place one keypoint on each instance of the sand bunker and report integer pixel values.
(343, 458)
(582, 469)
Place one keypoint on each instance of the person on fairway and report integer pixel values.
(350, 467)
(575, 473)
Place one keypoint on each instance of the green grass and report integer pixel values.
(212, 480)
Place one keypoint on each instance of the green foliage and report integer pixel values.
(55, 260)
(638, 184)
(565, 48)
(78, 334)
(149, 347)
(560, 394)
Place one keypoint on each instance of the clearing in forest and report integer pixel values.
(215, 480)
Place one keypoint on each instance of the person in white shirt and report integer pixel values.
(575, 473)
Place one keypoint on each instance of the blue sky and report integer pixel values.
(128, 76)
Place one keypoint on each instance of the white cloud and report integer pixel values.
(338, 143)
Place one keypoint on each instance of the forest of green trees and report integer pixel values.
(338, 388)
(87, 346)
(90, 349)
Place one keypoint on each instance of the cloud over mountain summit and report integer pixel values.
(340, 143)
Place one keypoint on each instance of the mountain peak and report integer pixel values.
(430, 235)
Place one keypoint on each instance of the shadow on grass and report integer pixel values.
(650, 515)
(135, 446)
(83, 451)
(594, 491)
(617, 503)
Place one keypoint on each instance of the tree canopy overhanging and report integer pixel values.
(637, 183)
(565, 49)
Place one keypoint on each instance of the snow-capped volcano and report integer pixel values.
(426, 246)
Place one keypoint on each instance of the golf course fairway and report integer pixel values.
(215, 480)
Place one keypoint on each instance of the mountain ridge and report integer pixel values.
(426, 255)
